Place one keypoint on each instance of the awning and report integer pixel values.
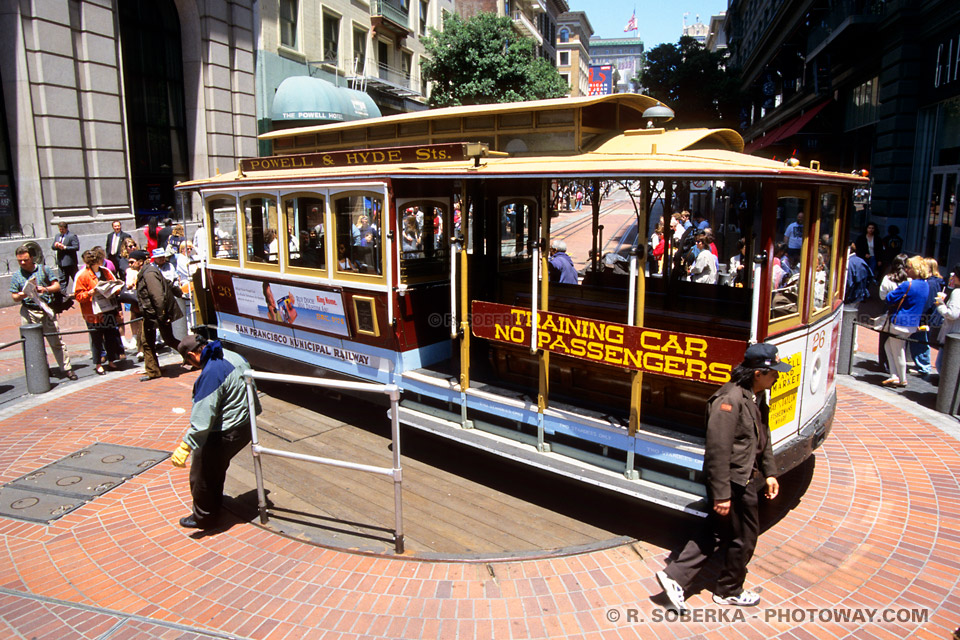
(785, 130)
(306, 98)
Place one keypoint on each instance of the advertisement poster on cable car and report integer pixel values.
(293, 306)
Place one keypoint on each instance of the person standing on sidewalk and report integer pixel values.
(737, 461)
(159, 309)
(67, 246)
(30, 311)
(219, 425)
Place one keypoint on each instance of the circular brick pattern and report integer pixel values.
(875, 530)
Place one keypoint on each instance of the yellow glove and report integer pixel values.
(179, 457)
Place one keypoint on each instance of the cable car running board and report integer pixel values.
(427, 419)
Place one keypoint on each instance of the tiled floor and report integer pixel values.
(875, 533)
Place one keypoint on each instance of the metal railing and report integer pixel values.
(395, 472)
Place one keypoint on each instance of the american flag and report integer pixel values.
(632, 24)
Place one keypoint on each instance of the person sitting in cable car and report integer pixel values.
(344, 263)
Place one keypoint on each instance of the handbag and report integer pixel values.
(888, 317)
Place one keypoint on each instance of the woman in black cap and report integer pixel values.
(737, 462)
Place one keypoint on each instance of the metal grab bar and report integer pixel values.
(396, 472)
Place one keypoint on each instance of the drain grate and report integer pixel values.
(58, 488)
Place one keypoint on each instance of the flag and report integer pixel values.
(632, 24)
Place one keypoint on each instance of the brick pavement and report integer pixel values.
(876, 528)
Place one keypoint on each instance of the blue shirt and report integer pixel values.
(907, 302)
(794, 235)
(44, 279)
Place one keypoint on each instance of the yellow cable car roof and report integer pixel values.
(635, 100)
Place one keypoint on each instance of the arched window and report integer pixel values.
(564, 35)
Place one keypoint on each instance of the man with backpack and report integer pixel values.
(159, 308)
(47, 285)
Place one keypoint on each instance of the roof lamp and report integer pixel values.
(658, 111)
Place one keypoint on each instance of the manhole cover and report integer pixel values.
(35, 506)
(58, 488)
(114, 459)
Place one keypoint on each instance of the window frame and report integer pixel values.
(245, 262)
(328, 14)
(833, 286)
(299, 270)
(208, 222)
(385, 275)
(784, 323)
(297, 39)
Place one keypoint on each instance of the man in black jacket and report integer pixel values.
(737, 461)
(113, 245)
(66, 244)
(159, 308)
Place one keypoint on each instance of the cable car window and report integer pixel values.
(826, 255)
(788, 256)
(517, 219)
(424, 237)
(222, 228)
(357, 219)
(305, 235)
(260, 218)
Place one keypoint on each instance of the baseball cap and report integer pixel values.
(764, 356)
(139, 254)
(158, 253)
(188, 344)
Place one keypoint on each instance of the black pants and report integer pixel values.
(734, 535)
(208, 471)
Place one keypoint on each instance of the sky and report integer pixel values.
(658, 22)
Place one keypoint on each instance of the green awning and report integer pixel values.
(306, 98)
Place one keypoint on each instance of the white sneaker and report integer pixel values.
(673, 591)
(745, 599)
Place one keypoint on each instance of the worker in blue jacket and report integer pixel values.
(219, 425)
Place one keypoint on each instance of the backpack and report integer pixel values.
(58, 302)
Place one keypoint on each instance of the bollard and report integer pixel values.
(180, 326)
(947, 396)
(848, 338)
(35, 359)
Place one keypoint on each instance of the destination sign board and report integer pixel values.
(669, 353)
(450, 152)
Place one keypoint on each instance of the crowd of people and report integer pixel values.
(903, 297)
(108, 283)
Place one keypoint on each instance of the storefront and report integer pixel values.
(937, 153)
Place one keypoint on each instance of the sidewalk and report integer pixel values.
(873, 534)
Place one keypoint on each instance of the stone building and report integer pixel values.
(535, 19)
(624, 54)
(573, 51)
(107, 104)
(861, 84)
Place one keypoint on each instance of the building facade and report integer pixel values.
(625, 55)
(335, 60)
(861, 84)
(107, 104)
(573, 51)
(536, 19)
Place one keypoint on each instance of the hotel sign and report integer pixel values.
(359, 157)
(669, 353)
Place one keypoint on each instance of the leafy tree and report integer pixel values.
(483, 60)
(694, 82)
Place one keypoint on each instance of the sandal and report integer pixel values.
(893, 382)
(100, 370)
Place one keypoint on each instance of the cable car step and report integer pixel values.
(652, 487)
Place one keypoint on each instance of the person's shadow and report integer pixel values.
(235, 510)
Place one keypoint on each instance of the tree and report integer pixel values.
(694, 82)
(483, 60)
